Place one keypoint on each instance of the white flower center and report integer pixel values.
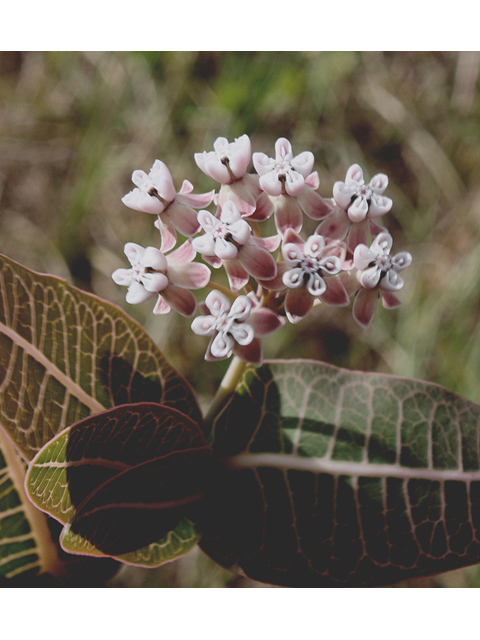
(223, 323)
(365, 191)
(220, 229)
(309, 265)
(384, 263)
(283, 167)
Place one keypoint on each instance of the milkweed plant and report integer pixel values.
(300, 473)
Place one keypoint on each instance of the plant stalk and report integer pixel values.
(226, 388)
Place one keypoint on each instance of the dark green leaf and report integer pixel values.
(122, 479)
(340, 478)
(65, 354)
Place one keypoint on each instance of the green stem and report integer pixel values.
(224, 290)
(226, 388)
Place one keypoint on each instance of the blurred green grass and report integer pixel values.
(73, 127)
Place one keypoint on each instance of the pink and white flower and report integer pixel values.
(170, 277)
(378, 275)
(229, 330)
(228, 162)
(308, 273)
(228, 239)
(228, 165)
(155, 193)
(285, 174)
(355, 207)
(291, 185)
(361, 200)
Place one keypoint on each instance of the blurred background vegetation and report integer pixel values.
(73, 127)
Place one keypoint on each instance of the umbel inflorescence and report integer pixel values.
(348, 256)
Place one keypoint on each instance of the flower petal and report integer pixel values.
(183, 218)
(390, 300)
(335, 226)
(183, 254)
(358, 210)
(331, 265)
(370, 277)
(230, 212)
(312, 181)
(314, 246)
(362, 257)
(168, 234)
(294, 183)
(214, 167)
(161, 307)
(392, 281)
(402, 260)
(364, 306)
(298, 303)
(155, 282)
(237, 276)
(222, 345)
(335, 293)
(314, 205)
(316, 285)
(162, 180)
(225, 250)
(217, 303)
(288, 214)
(182, 300)
(303, 163)
(270, 243)
(242, 333)
(241, 156)
(122, 277)
(154, 259)
(292, 253)
(251, 353)
(265, 321)
(262, 163)
(382, 244)
(140, 201)
(379, 183)
(238, 193)
(195, 200)
(193, 275)
(355, 175)
(270, 183)
(343, 193)
(276, 284)
(240, 231)
(283, 149)
(293, 279)
(263, 209)
(379, 205)
(137, 294)
(134, 253)
(257, 262)
(358, 234)
(240, 309)
(205, 244)
(207, 220)
(204, 325)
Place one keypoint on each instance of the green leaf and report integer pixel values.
(124, 479)
(175, 544)
(65, 354)
(341, 478)
(26, 546)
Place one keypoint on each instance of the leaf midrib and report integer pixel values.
(286, 462)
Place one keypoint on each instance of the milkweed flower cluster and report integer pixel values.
(271, 279)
